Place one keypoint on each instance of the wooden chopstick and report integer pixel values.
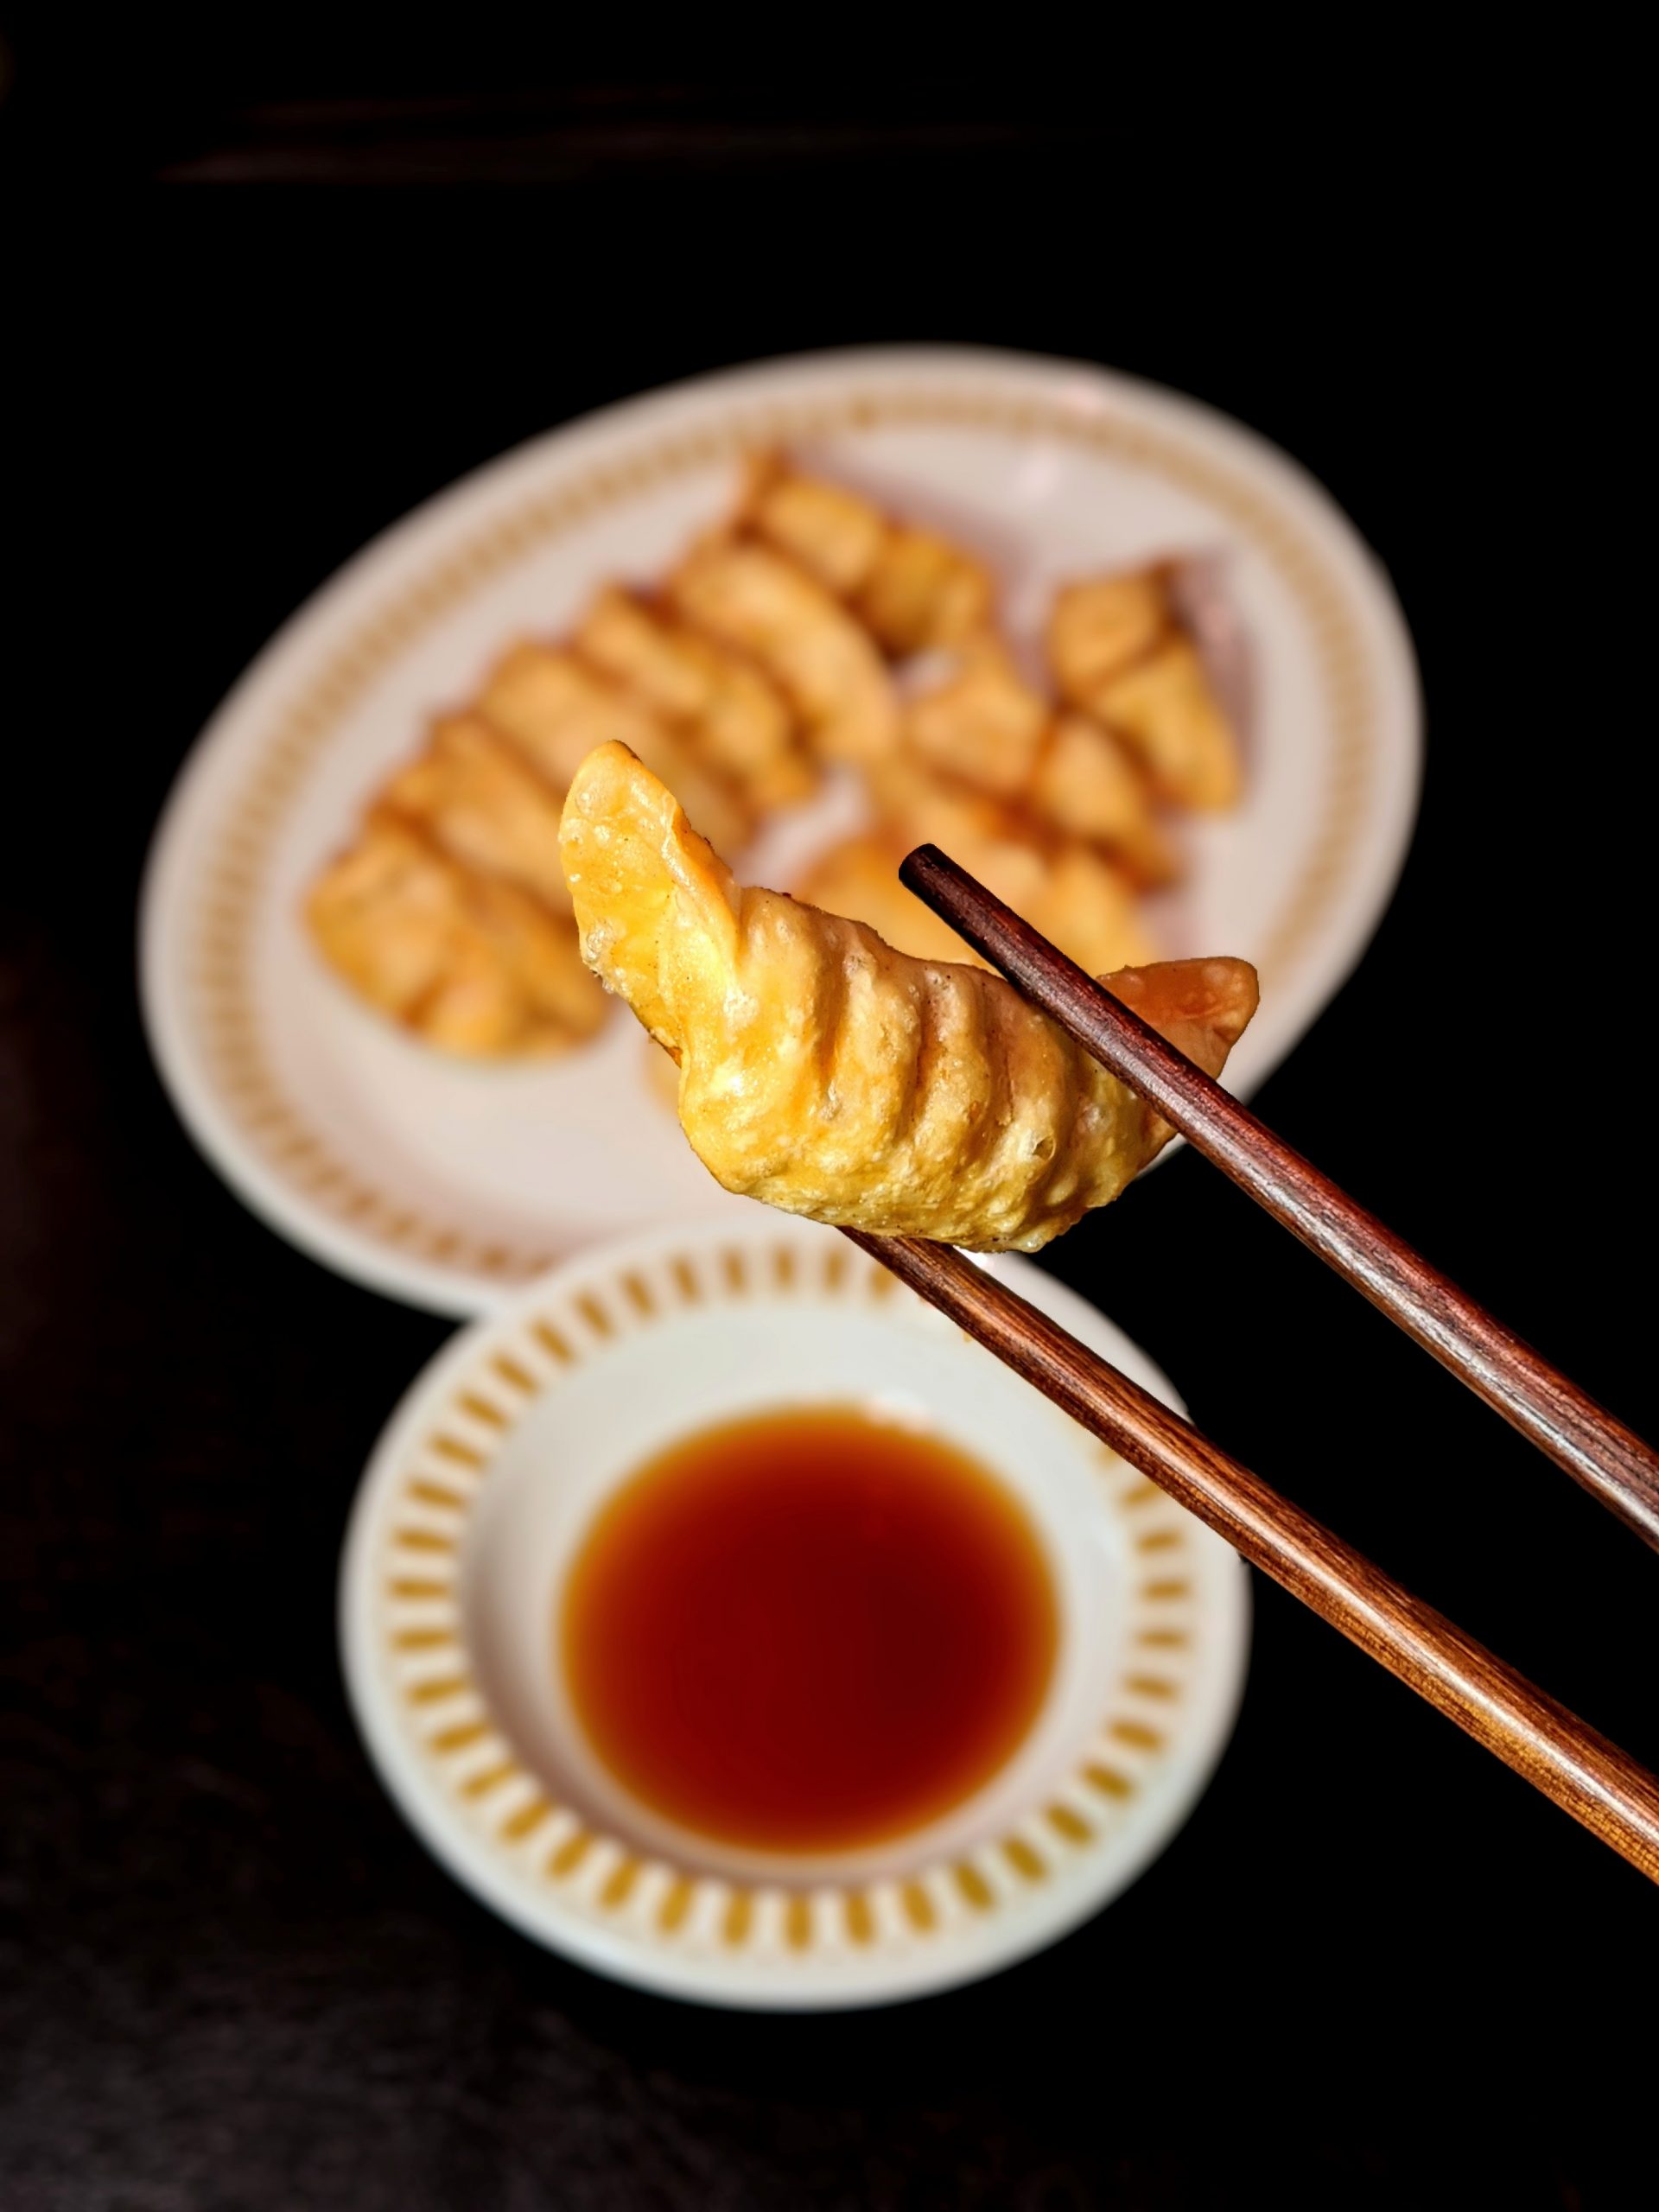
(1583, 1772)
(1612, 1462)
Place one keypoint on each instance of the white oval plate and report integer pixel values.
(483, 1485)
(446, 1184)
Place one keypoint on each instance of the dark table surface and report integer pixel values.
(229, 1977)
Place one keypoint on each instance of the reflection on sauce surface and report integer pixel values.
(808, 1631)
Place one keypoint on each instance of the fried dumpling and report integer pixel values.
(859, 878)
(1085, 780)
(750, 597)
(984, 723)
(468, 963)
(924, 592)
(831, 531)
(913, 588)
(1097, 628)
(733, 713)
(823, 1072)
(556, 710)
(1118, 651)
(472, 795)
(1165, 708)
(1075, 898)
(1072, 893)
(987, 726)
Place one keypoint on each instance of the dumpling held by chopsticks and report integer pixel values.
(825, 1073)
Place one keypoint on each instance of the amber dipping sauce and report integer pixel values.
(808, 1631)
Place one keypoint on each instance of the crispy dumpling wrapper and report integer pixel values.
(1074, 897)
(1086, 782)
(825, 1073)
(1118, 651)
(736, 715)
(556, 711)
(911, 588)
(984, 724)
(1165, 708)
(473, 794)
(468, 963)
(760, 602)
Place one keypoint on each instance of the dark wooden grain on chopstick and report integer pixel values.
(1583, 1772)
(1609, 1460)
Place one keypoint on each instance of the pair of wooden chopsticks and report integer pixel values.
(1587, 1775)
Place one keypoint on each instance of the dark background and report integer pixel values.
(270, 287)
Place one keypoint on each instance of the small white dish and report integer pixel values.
(448, 1185)
(477, 1497)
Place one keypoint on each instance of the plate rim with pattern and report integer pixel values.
(632, 1912)
(200, 891)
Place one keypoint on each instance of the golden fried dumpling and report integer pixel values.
(556, 711)
(833, 533)
(1097, 628)
(1086, 782)
(734, 713)
(988, 727)
(1075, 895)
(823, 1072)
(470, 964)
(1075, 898)
(1164, 707)
(913, 589)
(984, 724)
(472, 795)
(924, 592)
(921, 808)
(750, 597)
(859, 878)
(1118, 652)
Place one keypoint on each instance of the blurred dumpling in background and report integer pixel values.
(913, 588)
(1119, 651)
(811, 630)
(733, 712)
(751, 597)
(466, 962)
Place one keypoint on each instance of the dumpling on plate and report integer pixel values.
(1118, 651)
(1087, 782)
(735, 714)
(823, 1072)
(983, 724)
(1165, 708)
(556, 710)
(913, 589)
(473, 796)
(752, 598)
(470, 964)
(1075, 898)
(987, 726)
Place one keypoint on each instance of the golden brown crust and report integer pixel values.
(750, 596)
(1165, 708)
(913, 588)
(471, 793)
(826, 1073)
(985, 725)
(472, 966)
(733, 713)
(557, 709)
(1118, 652)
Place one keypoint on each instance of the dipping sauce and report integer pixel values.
(808, 1631)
